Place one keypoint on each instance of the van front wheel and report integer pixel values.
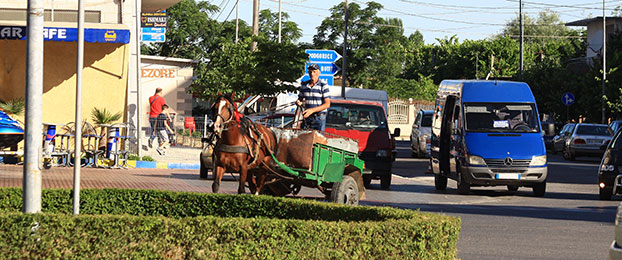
(539, 189)
(440, 182)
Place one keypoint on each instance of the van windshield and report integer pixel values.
(501, 117)
(348, 116)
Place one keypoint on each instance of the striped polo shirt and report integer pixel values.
(314, 96)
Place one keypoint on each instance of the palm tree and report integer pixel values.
(13, 107)
(102, 117)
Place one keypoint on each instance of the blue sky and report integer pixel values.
(468, 19)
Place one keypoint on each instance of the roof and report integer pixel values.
(490, 90)
(171, 59)
(585, 22)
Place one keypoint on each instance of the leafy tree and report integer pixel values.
(534, 28)
(269, 26)
(361, 28)
(235, 68)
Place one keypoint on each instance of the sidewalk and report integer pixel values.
(179, 157)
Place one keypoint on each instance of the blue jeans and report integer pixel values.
(316, 121)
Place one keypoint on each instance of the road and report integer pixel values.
(569, 222)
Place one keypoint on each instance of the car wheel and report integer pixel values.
(367, 180)
(512, 187)
(385, 180)
(440, 182)
(539, 189)
(604, 194)
(567, 154)
(414, 150)
(463, 187)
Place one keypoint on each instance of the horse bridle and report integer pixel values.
(226, 121)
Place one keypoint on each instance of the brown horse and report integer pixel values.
(243, 146)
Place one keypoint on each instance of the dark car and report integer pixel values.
(609, 176)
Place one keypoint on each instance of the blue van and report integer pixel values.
(487, 133)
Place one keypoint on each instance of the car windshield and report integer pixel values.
(427, 120)
(501, 117)
(345, 116)
(593, 130)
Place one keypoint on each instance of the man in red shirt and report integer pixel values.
(155, 108)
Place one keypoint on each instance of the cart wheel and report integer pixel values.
(345, 192)
(356, 175)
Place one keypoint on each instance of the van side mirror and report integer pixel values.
(396, 132)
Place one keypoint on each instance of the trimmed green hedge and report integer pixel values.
(161, 224)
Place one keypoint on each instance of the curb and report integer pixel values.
(162, 165)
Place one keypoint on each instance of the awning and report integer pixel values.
(67, 32)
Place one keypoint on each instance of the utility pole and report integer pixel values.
(476, 64)
(255, 23)
(279, 21)
(78, 121)
(520, 13)
(139, 113)
(345, 54)
(602, 97)
(31, 197)
(237, 25)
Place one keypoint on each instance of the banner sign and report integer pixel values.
(153, 19)
(153, 34)
(68, 34)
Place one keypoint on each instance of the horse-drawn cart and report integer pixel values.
(308, 158)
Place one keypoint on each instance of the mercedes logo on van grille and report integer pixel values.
(508, 161)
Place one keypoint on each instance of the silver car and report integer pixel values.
(421, 134)
(584, 140)
(559, 140)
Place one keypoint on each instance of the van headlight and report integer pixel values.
(538, 160)
(475, 160)
(382, 153)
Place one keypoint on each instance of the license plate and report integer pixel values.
(593, 141)
(508, 176)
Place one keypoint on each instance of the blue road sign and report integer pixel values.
(325, 68)
(568, 98)
(325, 78)
(323, 56)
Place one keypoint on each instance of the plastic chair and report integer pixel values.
(189, 124)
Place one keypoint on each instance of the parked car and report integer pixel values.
(559, 140)
(615, 250)
(585, 140)
(276, 120)
(615, 125)
(609, 176)
(421, 134)
(548, 133)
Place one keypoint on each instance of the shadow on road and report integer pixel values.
(603, 215)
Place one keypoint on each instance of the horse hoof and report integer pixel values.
(215, 187)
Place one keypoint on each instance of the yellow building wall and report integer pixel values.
(104, 83)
